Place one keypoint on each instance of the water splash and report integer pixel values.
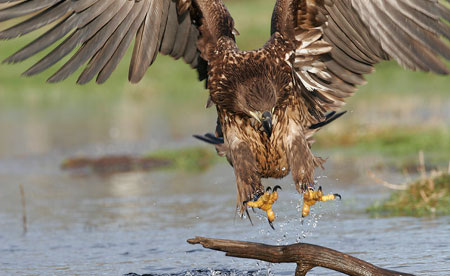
(264, 268)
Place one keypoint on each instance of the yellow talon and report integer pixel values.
(310, 197)
(328, 197)
(265, 203)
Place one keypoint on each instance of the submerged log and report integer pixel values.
(307, 256)
(111, 164)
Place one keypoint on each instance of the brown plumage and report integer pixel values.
(269, 101)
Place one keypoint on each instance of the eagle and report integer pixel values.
(269, 101)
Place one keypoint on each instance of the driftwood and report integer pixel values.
(307, 256)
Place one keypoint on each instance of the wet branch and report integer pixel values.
(307, 256)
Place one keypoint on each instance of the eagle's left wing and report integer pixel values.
(338, 41)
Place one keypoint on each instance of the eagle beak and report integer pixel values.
(266, 121)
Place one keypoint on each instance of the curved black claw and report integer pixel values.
(276, 188)
(271, 225)
(320, 188)
(338, 195)
(248, 215)
(268, 189)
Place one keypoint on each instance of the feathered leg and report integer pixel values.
(248, 180)
(249, 187)
(303, 163)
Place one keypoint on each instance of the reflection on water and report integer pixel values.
(139, 222)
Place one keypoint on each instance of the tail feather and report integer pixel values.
(330, 117)
(210, 139)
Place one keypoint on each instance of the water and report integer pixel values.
(139, 222)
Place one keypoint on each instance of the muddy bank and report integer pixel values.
(186, 159)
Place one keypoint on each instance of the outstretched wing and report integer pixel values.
(338, 41)
(103, 30)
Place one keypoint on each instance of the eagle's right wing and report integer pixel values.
(103, 30)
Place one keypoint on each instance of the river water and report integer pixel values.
(139, 222)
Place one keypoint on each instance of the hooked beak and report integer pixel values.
(266, 121)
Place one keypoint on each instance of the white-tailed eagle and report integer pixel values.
(269, 101)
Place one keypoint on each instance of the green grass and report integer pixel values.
(193, 159)
(425, 197)
(390, 142)
(252, 20)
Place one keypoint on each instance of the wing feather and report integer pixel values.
(92, 45)
(123, 33)
(339, 26)
(165, 13)
(39, 20)
(58, 31)
(104, 12)
(170, 32)
(344, 74)
(190, 52)
(360, 34)
(118, 54)
(427, 36)
(97, 33)
(24, 8)
(181, 37)
(146, 43)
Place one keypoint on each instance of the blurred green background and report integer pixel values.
(398, 113)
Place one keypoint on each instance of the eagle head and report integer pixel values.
(257, 99)
(251, 87)
(265, 119)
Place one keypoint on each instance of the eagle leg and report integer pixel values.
(310, 197)
(303, 162)
(265, 202)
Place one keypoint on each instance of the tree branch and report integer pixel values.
(307, 256)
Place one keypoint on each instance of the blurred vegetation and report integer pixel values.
(174, 89)
(428, 196)
(401, 142)
(191, 159)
